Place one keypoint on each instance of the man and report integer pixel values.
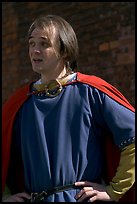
(58, 131)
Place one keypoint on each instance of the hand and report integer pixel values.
(91, 192)
(19, 197)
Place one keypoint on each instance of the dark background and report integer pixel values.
(105, 32)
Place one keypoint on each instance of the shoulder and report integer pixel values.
(97, 82)
(92, 80)
(16, 99)
(104, 87)
(19, 92)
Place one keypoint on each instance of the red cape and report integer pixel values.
(12, 106)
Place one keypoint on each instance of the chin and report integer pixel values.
(37, 69)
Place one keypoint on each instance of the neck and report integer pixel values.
(45, 79)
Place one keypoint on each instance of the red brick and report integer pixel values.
(105, 32)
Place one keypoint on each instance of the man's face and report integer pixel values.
(42, 55)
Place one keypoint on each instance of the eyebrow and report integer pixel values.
(43, 38)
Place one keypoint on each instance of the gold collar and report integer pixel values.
(54, 87)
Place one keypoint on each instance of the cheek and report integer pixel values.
(29, 52)
(52, 55)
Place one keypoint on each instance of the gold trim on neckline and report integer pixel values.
(53, 88)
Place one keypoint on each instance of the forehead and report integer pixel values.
(43, 33)
(37, 32)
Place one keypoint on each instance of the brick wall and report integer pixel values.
(105, 32)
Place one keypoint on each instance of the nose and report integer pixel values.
(36, 50)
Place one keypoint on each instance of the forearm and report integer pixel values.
(125, 175)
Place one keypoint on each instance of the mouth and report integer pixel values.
(37, 60)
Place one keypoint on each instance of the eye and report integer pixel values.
(45, 44)
(31, 43)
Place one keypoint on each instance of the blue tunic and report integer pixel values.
(61, 138)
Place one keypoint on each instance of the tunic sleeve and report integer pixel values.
(120, 121)
(125, 175)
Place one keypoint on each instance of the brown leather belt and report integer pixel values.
(39, 197)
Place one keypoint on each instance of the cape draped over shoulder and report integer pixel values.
(11, 107)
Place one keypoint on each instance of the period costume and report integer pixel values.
(51, 141)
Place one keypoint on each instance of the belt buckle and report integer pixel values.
(38, 197)
(33, 197)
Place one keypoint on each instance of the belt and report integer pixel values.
(39, 197)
